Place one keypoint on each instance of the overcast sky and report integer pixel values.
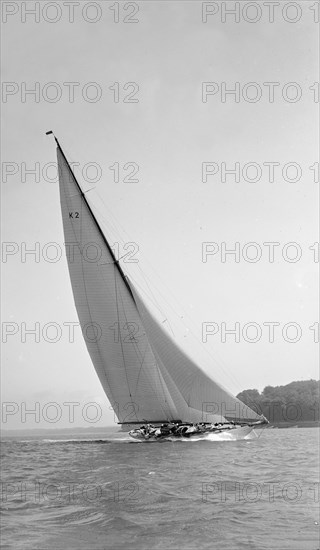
(161, 118)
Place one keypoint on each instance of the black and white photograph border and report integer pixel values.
(159, 262)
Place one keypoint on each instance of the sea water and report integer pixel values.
(77, 493)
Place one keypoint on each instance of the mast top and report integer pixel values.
(50, 132)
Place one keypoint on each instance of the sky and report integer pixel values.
(210, 127)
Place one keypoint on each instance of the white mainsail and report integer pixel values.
(144, 374)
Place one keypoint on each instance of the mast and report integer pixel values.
(116, 262)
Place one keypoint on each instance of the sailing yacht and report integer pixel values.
(147, 378)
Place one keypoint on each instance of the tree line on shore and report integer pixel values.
(294, 402)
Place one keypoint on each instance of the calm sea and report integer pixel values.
(77, 493)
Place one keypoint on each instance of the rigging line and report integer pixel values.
(143, 291)
(153, 301)
(110, 223)
(116, 225)
(111, 215)
(218, 361)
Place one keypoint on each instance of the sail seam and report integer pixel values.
(120, 335)
(140, 358)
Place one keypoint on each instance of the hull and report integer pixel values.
(233, 434)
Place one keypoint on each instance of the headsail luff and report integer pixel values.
(145, 375)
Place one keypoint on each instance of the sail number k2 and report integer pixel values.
(74, 215)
